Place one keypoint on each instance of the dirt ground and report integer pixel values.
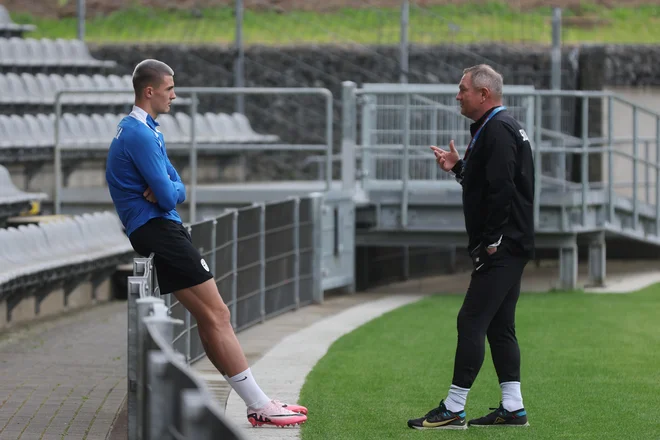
(62, 8)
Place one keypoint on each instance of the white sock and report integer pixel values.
(455, 401)
(246, 387)
(511, 396)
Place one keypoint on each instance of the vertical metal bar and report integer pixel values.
(610, 158)
(316, 215)
(239, 61)
(585, 157)
(647, 160)
(188, 336)
(57, 156)
(193, 158)
(296, 251)
(365, 137)
(537, 159)
(328, 136)
(657, 176)
(348, 135)
(558, 161)
(262, 261)
(635, 162)
(403, 43)
(434, 141)
(81, 19)
(234, 268)
(143, 307)
(405, 166)
(132, 343)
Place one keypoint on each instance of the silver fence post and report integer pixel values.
(329, 117)
(194, 425)
(239, 62)
(81, 19)
(262, 261)
(635, 160)
(57, 158)
(585, 157)
(657, 176)
(610, 158)
(403, 44)
(537, 159)
(193, 158)
(405, 166)
(558, 161)
(144, 307)
(296, 251)
(134, 287)
(348, 142)
(234, 268)
(316, 206)
(159, 400)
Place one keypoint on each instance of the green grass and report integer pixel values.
(590, 370)
(494, 21)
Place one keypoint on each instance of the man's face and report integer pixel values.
(468, 97)
(163, 95)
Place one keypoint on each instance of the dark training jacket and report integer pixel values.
(498, 185)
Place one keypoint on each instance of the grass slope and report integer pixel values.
(431, 25)
(590, 370)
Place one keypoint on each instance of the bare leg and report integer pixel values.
(204, 302)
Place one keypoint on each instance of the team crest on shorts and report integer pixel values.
(204, 265)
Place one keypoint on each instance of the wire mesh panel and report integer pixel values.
(281, 256)
(223, 269)
(306, 251)
(250, 263)
(398, 117)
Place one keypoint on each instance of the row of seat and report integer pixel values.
(97, 130)
(28, 250)
(10, 194)
(45, 52)
(40, 89)
(10, 29)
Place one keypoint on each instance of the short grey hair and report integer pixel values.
(150, 73)
(484, 76)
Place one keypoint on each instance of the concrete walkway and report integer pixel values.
(65, 378)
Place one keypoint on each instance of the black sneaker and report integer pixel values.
(501, 417)
(439, 418)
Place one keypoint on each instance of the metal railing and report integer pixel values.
(193, 142)
(611, 160)
(167, 399)
(266, 259)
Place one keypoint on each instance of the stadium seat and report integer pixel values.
(57, 246)
(10, 29)
(9, 194)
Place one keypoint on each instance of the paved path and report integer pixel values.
(66, 378)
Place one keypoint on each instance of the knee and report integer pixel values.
(216, 316)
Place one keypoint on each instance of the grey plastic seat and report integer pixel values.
(7, 25)
(18, 88)
(33, 89)
(59, 84)
(7, 93)
(243, 125)
(23, 133)
(171, 130)
(21, 52)
(37, 132)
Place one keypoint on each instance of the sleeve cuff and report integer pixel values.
(458, 168)
(496, 244)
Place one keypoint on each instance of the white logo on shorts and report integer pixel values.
(204, 265)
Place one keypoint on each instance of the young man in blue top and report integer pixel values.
(145, 189)
(497, 179)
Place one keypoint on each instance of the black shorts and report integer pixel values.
(178, 264)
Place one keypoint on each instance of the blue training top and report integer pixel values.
(137, 159)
